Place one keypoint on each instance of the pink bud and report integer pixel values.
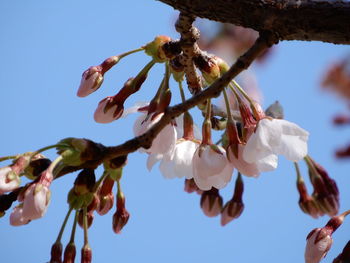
(91, 80)
(108, 110)
(190, 186)
(121, 216)
(319, 241)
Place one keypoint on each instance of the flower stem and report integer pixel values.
(44, 149)
(130, 52)
(63, 225)
(86, 240)
(99, 182)
(55, 164)
(297, 169)
(242, 91)
(344, 214)
(74, 227)
(9, 157)
(182, 93)
(227, 103)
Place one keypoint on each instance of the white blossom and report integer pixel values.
(275, 137)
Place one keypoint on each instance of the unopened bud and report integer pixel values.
(56, 252)
(91, 81)
(121, 216)
(319, 240)
(211, 202)
(86, 254)
(234, 208)
(69, 253)
(326, 192)
(306, 203)
(190, 186)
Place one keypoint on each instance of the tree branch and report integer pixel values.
(320, 20)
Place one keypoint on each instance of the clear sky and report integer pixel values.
(44, 48)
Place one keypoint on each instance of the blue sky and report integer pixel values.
(44, 48)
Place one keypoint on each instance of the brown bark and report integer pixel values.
(320, 20)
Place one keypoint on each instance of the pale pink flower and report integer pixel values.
(16, 217)
(266, 164)
(36, 197)
(91, 80)
(9, 180)
(36, 200)
(164, 142)
(319, 241)
(211, 168)
(179, 164)
(273, 137)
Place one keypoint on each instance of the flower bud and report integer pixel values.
(306, 202)
(86, 254)
(121, 216)
(319, 240)
(106, 197)
(234, 208)
(211, 202)
(190, 186)
(56, 252)
(326, 192)
(91, 81)
(69, 253)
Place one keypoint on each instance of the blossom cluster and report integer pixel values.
(251, 140)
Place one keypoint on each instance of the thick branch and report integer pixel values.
(327, 20)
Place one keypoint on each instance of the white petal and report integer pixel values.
(248, 169)
(134, 108)
(211, 169)
(35, 202)
(268, 163)
(152, 160)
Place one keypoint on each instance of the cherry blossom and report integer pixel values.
(164, 142)
(273, 137)
(211, 168)
(318, 244)
(180, 163)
